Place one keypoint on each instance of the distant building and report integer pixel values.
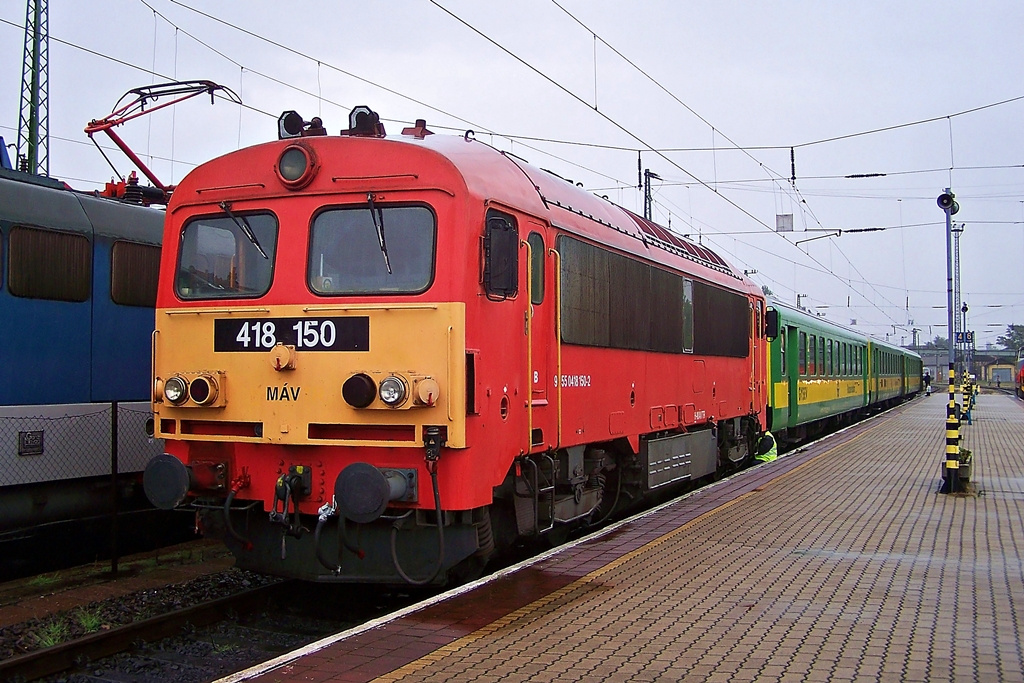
(987, 364)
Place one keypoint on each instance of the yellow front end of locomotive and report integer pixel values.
(354, 375)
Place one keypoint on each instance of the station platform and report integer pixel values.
(838, 562)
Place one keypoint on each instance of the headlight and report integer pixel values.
(392, 391)
(297, 166)
(293, 164)
(176, 390)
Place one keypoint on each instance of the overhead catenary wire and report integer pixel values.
(720, 185)
(320, 63)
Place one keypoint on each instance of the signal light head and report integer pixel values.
(204, 390)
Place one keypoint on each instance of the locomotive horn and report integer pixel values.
(289, 125)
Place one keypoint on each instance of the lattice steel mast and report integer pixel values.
(33, 125)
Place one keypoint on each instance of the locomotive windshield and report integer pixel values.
(372, 250)
(218, 260)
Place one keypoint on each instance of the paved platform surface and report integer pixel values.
(840, 563)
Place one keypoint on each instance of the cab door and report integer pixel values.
(759, 346)
(543, 340)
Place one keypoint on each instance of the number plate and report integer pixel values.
(305, 334)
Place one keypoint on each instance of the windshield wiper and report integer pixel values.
(244, 226)
(376, 213)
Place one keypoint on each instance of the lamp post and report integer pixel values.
(951, 463)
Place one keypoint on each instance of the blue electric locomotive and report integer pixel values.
(78, 277)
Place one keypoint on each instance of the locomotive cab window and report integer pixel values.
(536, 268)
(228, 256)
(501, 256)
(372, 250)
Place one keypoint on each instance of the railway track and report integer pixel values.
(64, 656)
(208, 640)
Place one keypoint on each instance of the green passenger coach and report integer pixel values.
(825, 375)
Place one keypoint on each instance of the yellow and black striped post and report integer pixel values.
(951, 468)
(966, 391)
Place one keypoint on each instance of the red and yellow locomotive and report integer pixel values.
(385, 358)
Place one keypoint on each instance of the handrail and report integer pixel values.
(529, 345)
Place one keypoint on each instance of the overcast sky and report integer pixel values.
(941, 82)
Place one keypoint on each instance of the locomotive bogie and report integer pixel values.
(367, 558)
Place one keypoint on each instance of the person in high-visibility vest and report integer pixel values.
(767, 449)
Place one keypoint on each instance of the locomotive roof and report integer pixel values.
(495, 177)
(44, 202)
(572, 208)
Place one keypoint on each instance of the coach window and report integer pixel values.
(227, 256)
(501, 256)
(536, 268)
(829, 367)
(372, 249)
(801, 352)
(44, 264)
(821, 355)
(134, 270)
(812, 359)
